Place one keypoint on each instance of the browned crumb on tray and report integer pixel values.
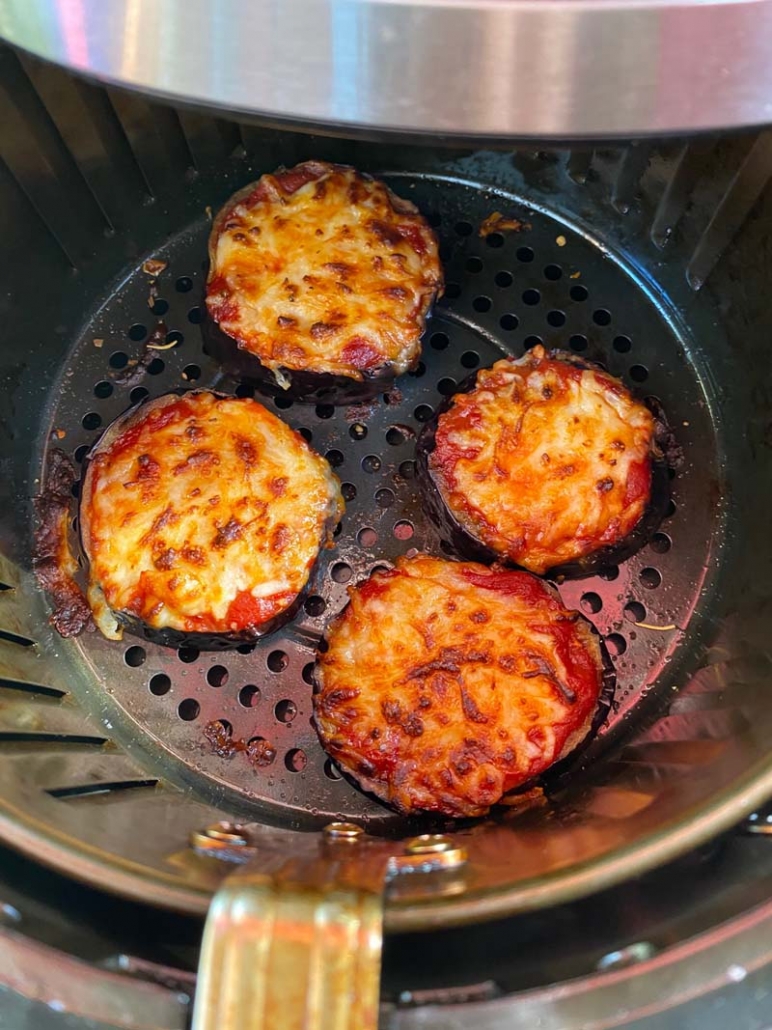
(500, 223)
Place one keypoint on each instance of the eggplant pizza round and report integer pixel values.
(201, 517)
(320, 281)
(446, 684)
(546, 462)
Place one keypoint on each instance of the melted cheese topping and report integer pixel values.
(543, 461)
(446, 684)
(203, 513)
(321, 268)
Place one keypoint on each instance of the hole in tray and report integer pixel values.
(341, 572)
(295, 760)
(217, 676)
(660, 543)
(439, 341)
(503, 279)
(403, 530)
(188, 709)
(315, 606)
(135, 656)
(578, 293)
(635, 612)
(553, 272)
(335, 458)
(650, 578)
(285, 710)
(367, 537)
(349, 491)
(591, 603)
(160, 684)
(249, 696)
(91, 421)
(616, 644)
(277, 661)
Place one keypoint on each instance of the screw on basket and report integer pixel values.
(428, 852)
(343, 832)
(220, 836)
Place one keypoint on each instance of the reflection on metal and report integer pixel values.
(68, 985)
(466, 68)
(296, 947)
(628, 956)
(759, 823)
(343, 831)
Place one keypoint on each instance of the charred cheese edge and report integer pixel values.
(446, 684)
(323, 269)
(202, 513)
(545, 461)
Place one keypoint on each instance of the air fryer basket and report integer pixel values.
(650, 259)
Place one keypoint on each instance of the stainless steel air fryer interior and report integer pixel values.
(651, 259)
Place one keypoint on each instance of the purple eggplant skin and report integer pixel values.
(305, 386)
(175, 638)
(168, 637)
(463, 542)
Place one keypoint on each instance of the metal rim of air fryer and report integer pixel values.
(648, 67)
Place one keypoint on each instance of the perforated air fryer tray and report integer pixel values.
(505, 292)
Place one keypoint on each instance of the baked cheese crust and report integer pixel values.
(446, 684)
(203, 513)
(545, 460)
(323, 269)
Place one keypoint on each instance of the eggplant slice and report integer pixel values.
(320, 282)
(201, 517)
(546, 462)
(446, 684)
